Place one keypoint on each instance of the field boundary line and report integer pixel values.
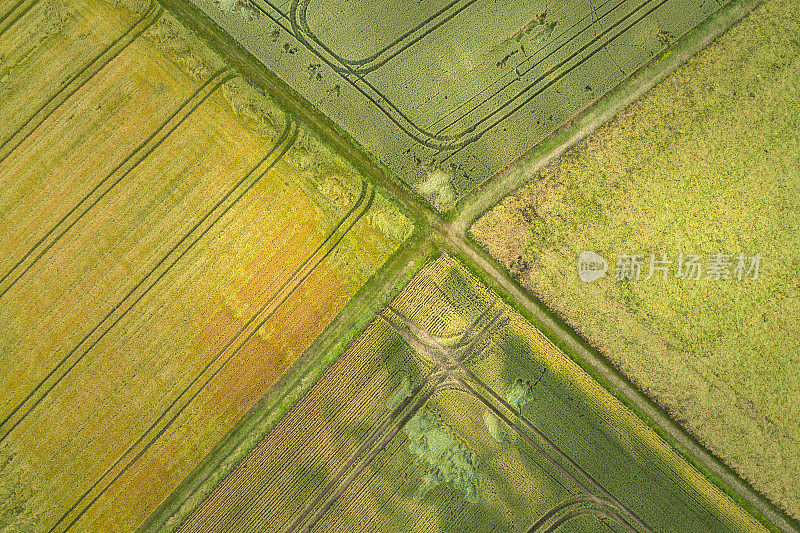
(508, 179)
(118, 311)
(436, 371)
(352, 76)
(611, 379)
(268, 309)
(75, 82)
(454, 238)
(440, 369)
(326, 350)
(104, 186)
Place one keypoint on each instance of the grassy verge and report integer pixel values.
(311, 365)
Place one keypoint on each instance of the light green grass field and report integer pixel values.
(446, 93)
(707, 162)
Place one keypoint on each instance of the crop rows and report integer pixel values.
(147, 309)
(337, 410)
(504, 79)
(74, 82)
(526, 481)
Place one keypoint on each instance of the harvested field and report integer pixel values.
(705, 163)
(452, 413)
(172, 242)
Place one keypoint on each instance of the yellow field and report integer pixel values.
(171, 243)
(344, 457)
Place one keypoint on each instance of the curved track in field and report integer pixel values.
(449, 370)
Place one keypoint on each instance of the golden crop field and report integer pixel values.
(451, 412)
(171, 243)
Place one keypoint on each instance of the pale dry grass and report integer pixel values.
(706, 162)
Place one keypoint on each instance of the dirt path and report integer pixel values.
(605, 109)
(453, 235)
(619, 386)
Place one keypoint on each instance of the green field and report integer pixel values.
(220, 313)
(446, 93)
(708, 162)
(452, 413)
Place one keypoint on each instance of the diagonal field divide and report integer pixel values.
(104, 186)
(79, 79)
(432, 383)
(449, 370)
(453, 236)
(269, 304)
(121, 308)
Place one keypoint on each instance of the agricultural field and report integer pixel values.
(446, 93)
(172, 241)
(706, 163)
(451, 412)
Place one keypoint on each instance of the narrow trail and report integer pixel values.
(453, 235)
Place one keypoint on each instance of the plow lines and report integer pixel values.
(396, 432)
(182, 271)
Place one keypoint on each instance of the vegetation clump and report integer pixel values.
(520, 393)
(494, 425)
(448, 458)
